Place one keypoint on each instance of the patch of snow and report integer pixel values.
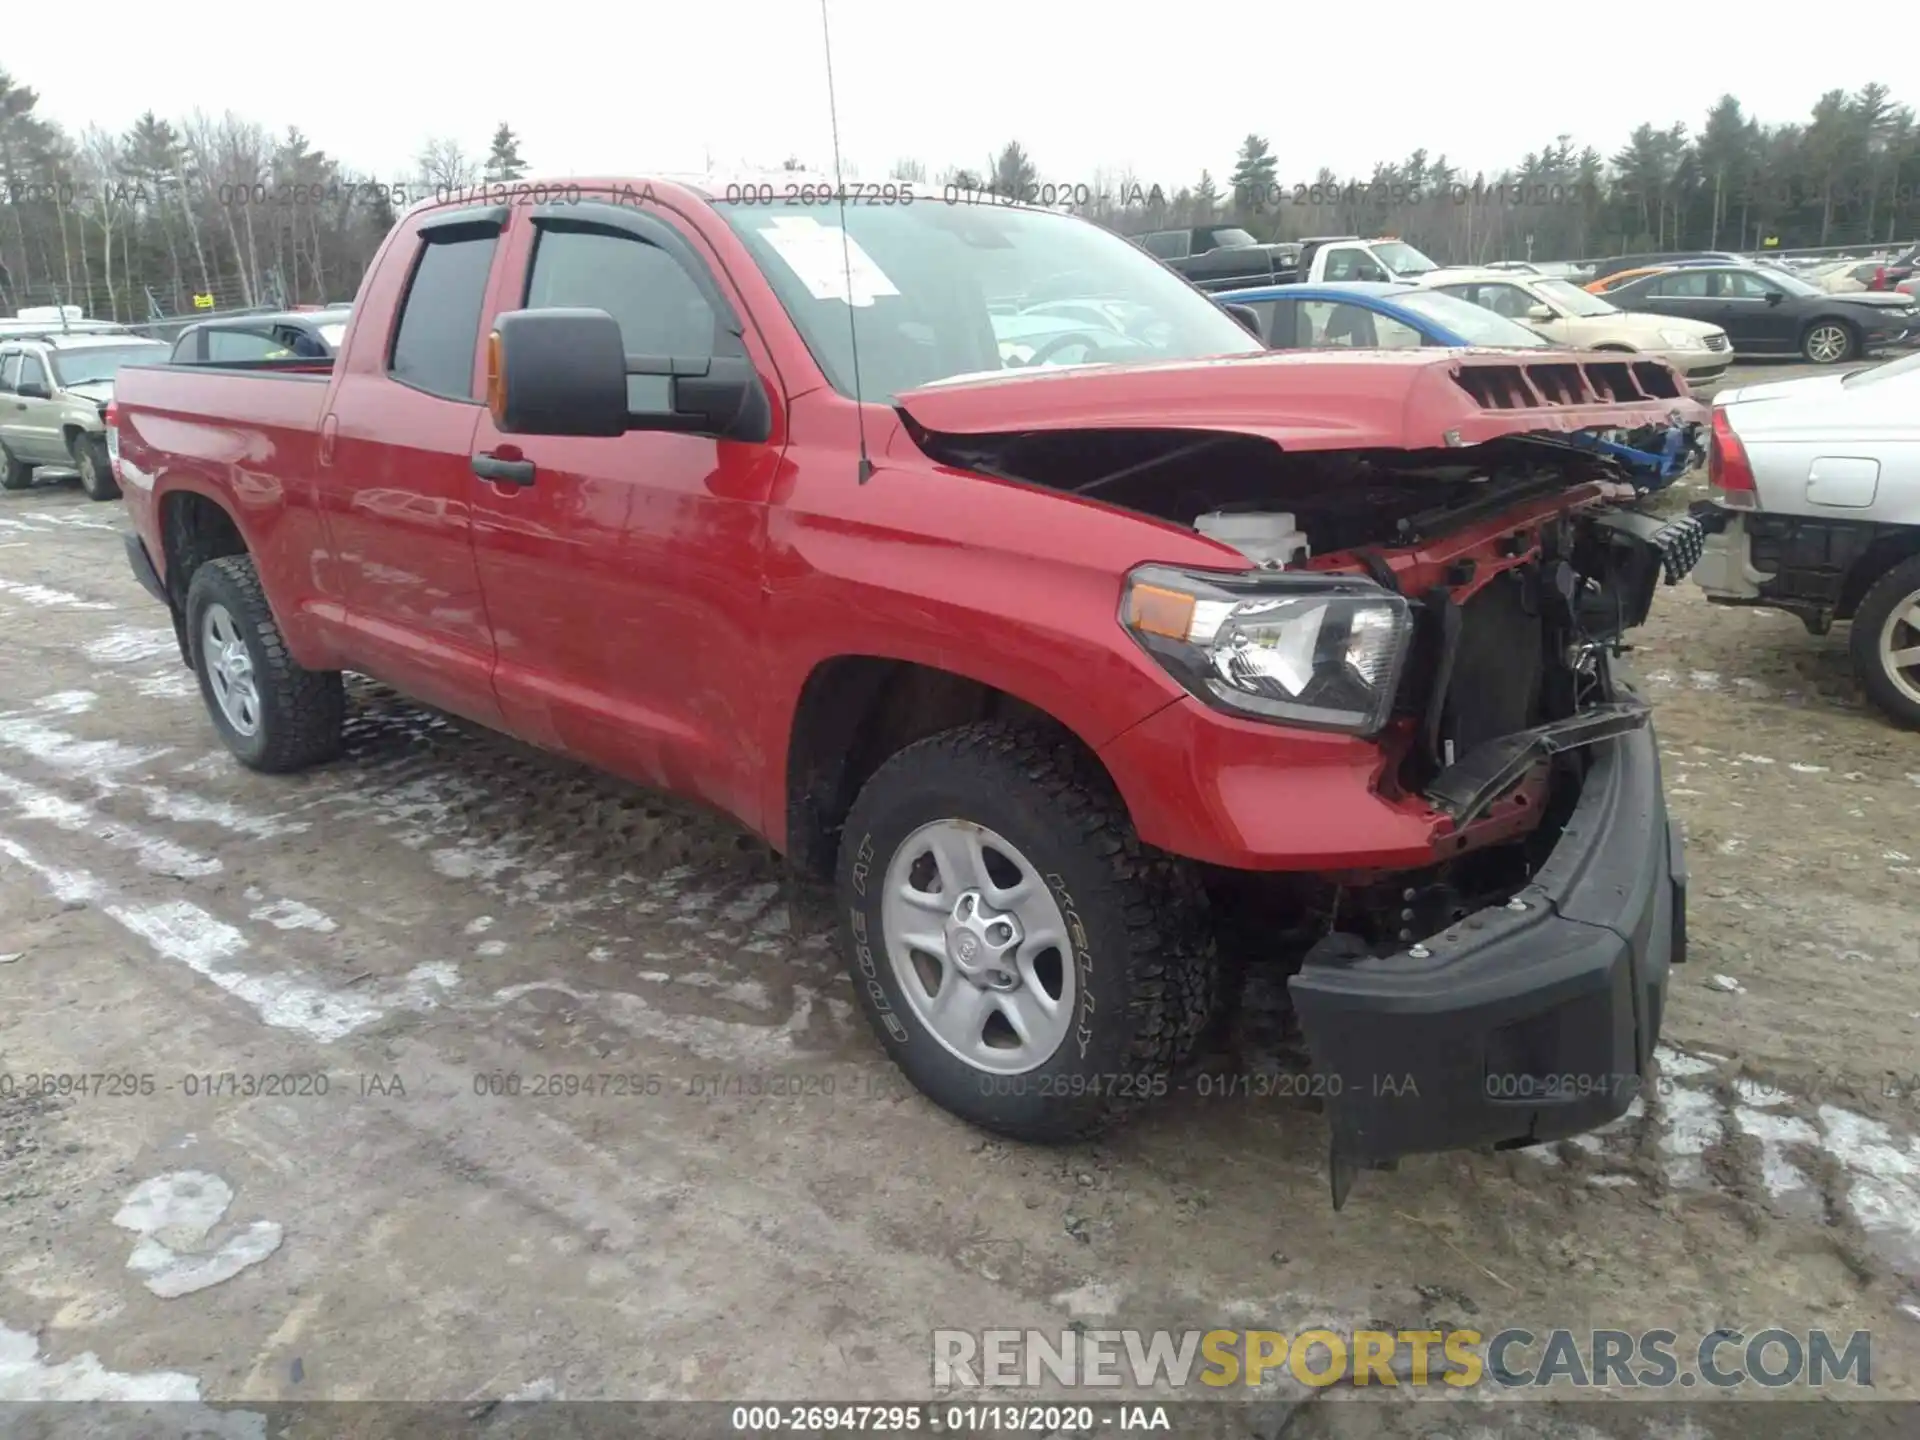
(61, 751)
(1781, 1176)
(1691, 1125)
(294, 915)
(1092, 1301)
(130, 645)
(67, 702)
(154, 853)
(46, 596)
(173, 685)
(176, 1213)
(24, 1376)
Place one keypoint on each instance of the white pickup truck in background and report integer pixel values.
(1816, 511)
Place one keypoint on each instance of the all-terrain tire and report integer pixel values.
(14, 474)
(90, 458)
(302, 713)
(1882, 618)
(1141, 942)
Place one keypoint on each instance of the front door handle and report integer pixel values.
(507, 472)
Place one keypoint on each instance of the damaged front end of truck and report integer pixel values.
(1503, 988)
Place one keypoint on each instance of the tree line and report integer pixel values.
(1849, 175)
(177, 217)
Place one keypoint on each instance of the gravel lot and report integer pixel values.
(443, 909)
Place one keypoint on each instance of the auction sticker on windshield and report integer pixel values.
(828, 261)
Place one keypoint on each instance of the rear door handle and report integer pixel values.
(507, 472)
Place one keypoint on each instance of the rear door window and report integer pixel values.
(439, 330)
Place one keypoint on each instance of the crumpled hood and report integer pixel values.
(94, 390)
(1879, 299)
(1320, 400)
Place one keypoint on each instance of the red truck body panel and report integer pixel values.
(1305, 400)
(656, 603)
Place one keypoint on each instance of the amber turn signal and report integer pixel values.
(1160, 611)
(496, 379)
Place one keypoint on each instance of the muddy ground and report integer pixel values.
(442, 910)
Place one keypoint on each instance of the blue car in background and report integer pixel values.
(1377, 315)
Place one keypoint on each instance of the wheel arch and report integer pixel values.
(854, 712)
(1876, 560)
(194, 528)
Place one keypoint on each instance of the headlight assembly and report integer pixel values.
(1321, 651)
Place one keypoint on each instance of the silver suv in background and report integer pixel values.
(53, 403)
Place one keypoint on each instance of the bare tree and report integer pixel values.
(445, 166)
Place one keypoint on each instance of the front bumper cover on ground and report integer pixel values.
(1522, 1023)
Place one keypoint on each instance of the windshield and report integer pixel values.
(1573, 299)
(1401, 258)
(92, 365)
(940, 291)
(1788, 282)
(1887, 370)
(1474, 324)
(1229, 238)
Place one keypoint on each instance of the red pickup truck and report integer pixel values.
(900, 533)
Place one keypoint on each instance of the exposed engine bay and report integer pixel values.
(1341, 499)
(1510, 677)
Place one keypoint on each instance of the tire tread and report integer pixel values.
(1171, 959)
(307, 709)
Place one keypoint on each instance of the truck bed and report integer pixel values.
(278, 395)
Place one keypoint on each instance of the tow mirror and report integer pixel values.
(566, 372)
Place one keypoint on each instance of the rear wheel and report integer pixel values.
(1028, 963)
(1828, 342)
(273, 714)
(14, 474)
(1886, 643)
(96, 468)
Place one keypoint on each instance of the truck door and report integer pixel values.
(623, 574)
(394, 483)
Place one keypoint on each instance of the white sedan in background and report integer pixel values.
(1580, 320)
(1816, 511)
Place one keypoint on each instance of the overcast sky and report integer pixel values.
(625, 88)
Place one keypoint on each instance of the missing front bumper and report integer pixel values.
(1522, 1023)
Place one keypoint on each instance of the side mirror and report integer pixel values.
(33, 390)
(1775, 297)
(566, 372)
(1541, 312)
(1249, 319)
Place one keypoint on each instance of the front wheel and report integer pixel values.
(1886, 643)
(1827, 342)
(273, 714)
(96, 468)
(1027, 962)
